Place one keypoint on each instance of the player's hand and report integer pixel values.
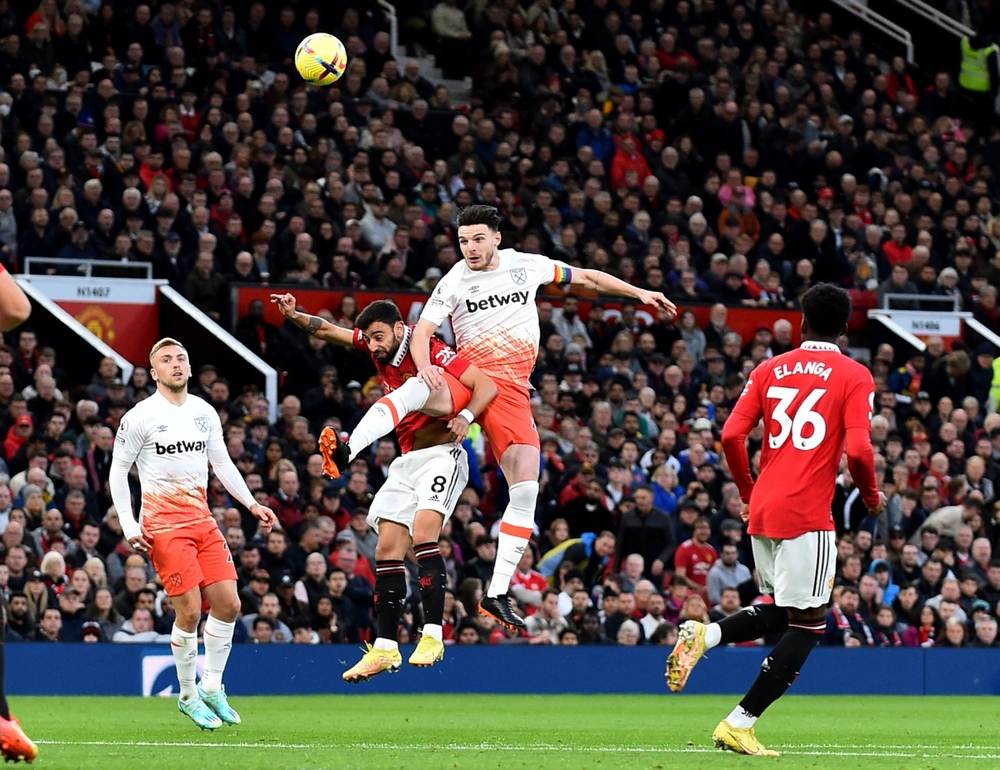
(745, 512)
(656, 299)
(265, 515)
(459, 428)
(285, 303)
(431, 375)
(142, 542)
(880, 507)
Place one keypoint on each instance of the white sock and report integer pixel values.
(218, 643)
(740, 718)
(434, 631)
(713, 635)
(516, 528)
(386, 413)
(184, 646)
(385, 644)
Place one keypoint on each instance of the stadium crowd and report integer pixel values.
(723, 152)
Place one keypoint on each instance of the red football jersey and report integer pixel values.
(696, 560)
(808, 398)
(533, 581)
(394, 373)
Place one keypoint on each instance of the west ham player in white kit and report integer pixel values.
(814, 401)
(172, 436)
(490, 297)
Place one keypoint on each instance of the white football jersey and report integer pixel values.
(493, 312)
(170, 446)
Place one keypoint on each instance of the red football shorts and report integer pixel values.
(460, 395)
(192, 556)
(507, 420)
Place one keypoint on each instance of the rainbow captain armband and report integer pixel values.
(563, 276)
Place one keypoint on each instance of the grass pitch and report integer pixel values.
(509, 732)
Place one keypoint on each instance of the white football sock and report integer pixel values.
(713, 635)
(386, 413)
(740, 718)
(385, 644)
(516, 528)
(218, 643)
(433, 630)
(184, 646)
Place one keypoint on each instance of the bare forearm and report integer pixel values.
(420, 343)
(322, 329)
(483, 391)
(603, 283)
(14, 305)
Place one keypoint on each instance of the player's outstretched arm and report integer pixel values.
(483, 390)
(603, 283)
(315, 325)
(14, 305)
(420, 350)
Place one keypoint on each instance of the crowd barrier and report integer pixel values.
(135, 669)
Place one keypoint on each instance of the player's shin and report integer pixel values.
(390, 593)
(516, 527)
(386, 413)
(433, 581)
(184, 646)
(218, 643)
(778, 670)
(746, 625)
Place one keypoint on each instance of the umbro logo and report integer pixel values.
(473, 290)
(161, 428)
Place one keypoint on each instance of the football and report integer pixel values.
(321, 59)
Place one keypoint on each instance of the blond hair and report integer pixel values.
(162, 344)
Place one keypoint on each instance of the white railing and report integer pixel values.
(948, 304)
(85, 267)
(390, 12)
(910, 339)
(881, 23)
(939, 17)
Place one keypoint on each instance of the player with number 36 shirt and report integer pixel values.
(809, 398)
(814, 402)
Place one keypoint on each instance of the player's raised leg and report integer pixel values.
(520, 466)
(390, 593)
(224, 602)
(14, 743)
(433, 581)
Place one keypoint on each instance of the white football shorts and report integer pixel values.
(424, 479)
(799, 571)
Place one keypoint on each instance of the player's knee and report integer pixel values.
(427, 527)
(229, 610)
(523, 495)
(187, 617)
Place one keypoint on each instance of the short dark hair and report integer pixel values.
(827, 309)
(479, 214)
(381, 310)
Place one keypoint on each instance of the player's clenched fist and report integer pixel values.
(264, 514)
(459, 428)
(285, 303)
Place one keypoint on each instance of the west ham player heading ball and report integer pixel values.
(490, 297)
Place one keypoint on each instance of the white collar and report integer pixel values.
(819, 345)
(404, 348)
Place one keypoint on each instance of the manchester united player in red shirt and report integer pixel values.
(814, 401)
(423, 485)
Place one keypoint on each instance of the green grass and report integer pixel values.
(508, 732)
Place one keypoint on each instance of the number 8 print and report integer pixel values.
(794, 426)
